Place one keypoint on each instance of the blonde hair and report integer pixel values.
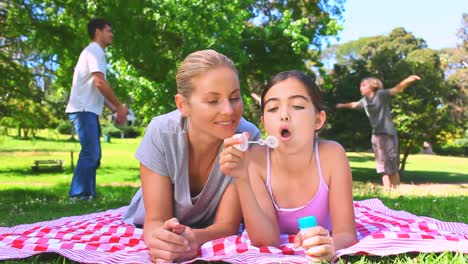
(198, 63)
(374, 83)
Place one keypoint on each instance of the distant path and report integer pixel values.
(437, 189)
(423, 189)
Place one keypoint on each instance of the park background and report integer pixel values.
(40, 42)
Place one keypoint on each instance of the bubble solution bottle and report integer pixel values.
(304, 224)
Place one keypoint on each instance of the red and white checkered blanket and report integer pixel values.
(104, 238)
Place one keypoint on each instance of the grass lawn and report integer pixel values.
(433, 186)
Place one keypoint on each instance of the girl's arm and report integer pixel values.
(258, 211)
(316, 241)
(341, 198)
(404, 84)
(257, 208)
(351, 105)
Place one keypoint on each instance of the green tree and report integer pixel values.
(350, 128)
(152, 37)
(455, 64)
(25, 76)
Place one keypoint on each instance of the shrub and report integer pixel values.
(129, 132)
(455, 148)
(108, 128)
(64, 127)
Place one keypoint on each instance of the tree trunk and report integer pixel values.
(19, 132)
(408, 148)
(72, 132)
(5, 131)
(25, 132)
(72, 165)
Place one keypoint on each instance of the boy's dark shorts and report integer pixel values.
(385, 148)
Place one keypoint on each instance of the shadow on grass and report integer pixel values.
(132, 174)
(125, 174)
(53, 145)
(46, 139)
(363, 158)
(24, 205)
(27, 171)
(75, 150)
(411, 177)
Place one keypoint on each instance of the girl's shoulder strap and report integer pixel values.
(268, 169)
(317, 161)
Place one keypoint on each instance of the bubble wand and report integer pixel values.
(270, 141)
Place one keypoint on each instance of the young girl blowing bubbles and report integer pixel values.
(303, 176)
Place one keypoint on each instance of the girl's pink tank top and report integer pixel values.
(318, 206)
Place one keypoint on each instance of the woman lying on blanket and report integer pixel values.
(187, 200)
(302, 176)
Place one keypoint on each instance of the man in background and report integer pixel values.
(90, 91)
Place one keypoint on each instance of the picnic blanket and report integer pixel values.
(104, 238)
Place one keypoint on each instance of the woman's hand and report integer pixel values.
(232, 160)
(171, 241)
(317, 244)
(187, 233)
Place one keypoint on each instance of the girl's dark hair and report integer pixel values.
(308, 81)
(97, 23)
